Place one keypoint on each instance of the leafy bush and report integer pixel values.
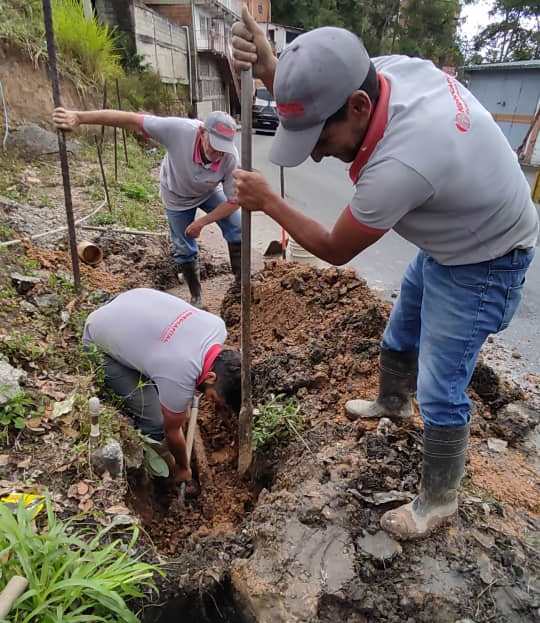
(276, 422)
(87, 41)
(15, 411)
(73, 577)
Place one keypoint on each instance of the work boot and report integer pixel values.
(235, 255)
(444, 464)
(192, 275)
(397, 384)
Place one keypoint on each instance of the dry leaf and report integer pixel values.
(70, 432)
(4, 459)
(86, 505)
(63, 408)
(82, 488)
(118, 509)
(25, 463)
(72, 492)
(34, 424)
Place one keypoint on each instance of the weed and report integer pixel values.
(15, 411)
(89, 42)
(22, 347)
(276, 422)
(73, 576)
(135, 191)
(103, 218)
(6, 233)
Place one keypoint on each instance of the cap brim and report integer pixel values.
(291, 148)
(221, 144)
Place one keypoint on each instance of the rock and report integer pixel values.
(28, 307)
(10, 379)
(23, 283)
(379, 546)
(37, 141)
(516, 355)
(108, 458)
(48, 301)
(384, 427)
(497, 445)
(514, 422)
(484, 569)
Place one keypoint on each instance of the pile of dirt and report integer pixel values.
(315, 332)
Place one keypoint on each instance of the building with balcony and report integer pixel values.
(215, 87)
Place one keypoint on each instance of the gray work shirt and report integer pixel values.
(443, 175)
(185, 184)
(159, 335)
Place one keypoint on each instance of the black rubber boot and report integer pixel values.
(192, 275)
(445, 451)
(397, 384)
(235, 255)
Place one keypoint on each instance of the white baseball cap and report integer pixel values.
(221, 129)
(315, 75)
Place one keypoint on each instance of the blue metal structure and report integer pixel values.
(511, 93)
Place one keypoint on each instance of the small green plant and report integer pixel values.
(15, 411)
(22, 347)
(276, 422)
(73, 576)
(135, 191)
(103, 218)
(153, 461)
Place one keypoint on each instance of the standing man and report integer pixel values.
(195, 173)
(429, 162)
(158, 350)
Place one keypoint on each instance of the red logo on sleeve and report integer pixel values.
(463, 115)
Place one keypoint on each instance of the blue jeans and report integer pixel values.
(446, 313)
(185, 249)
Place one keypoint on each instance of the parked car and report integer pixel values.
(265, 117)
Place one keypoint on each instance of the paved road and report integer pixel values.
(323, 190)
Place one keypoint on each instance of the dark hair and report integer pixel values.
(228, 380)
(370, 86)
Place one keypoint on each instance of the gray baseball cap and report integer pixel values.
(315, 75)
(221, 129)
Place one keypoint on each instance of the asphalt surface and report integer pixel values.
(323, 190)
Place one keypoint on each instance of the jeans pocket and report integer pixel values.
(470, 275)
(511, 304)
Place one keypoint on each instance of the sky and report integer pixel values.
(477, 17)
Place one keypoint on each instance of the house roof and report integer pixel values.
(519, 65)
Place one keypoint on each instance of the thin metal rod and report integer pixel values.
(283, 232)
(115, 155)
(104, 106)
(123, 130)
(64, 164)
(245, 423)
(103, 177)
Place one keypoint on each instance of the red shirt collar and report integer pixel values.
(375, 131)
(209, 360)
(197, 154)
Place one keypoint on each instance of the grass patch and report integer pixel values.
(14, 413)
(73, 576)
(87, 49)
(276, 422)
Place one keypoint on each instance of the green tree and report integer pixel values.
(515, 36)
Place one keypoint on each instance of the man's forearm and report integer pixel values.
(115, 118)
(223, 210)
(177, 445)
(268, 78)
(306, 231)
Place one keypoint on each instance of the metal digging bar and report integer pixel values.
(64, 164)
(245, 422)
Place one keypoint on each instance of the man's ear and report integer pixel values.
(211, 378)
(360, 104)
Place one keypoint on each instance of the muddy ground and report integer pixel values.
(294, 543)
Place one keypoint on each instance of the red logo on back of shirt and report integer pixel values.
(169, 331)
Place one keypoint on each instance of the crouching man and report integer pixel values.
(158, 350)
